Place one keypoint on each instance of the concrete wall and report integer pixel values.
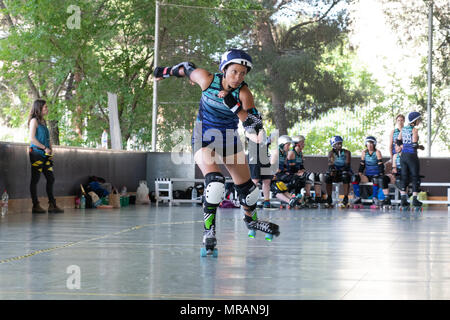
(124, 168)
(72, 166)
(169, 165)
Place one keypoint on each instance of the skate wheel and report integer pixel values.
(203, 252)
(251, 234)
(269, 237)
(215, 253)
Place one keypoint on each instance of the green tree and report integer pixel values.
(410, 19)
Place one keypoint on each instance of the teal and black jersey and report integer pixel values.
(214, 117)
(340, 159)
(407, 140)
(298, 160)
(371, 162)
(394, 138)
(43, 136)
(282, 160)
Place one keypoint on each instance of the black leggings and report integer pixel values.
(45, 165)
(410, 171)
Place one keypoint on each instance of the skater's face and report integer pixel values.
(44, 110)
(300, 145)
(370, 146)
(286, 147)
(338, 146)
(235, 74)
(400, 122)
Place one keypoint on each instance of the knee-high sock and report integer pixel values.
(356, 190)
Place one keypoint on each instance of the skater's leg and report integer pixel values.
(266, 190)
(346, 179)
(214, 191)
(248, 192)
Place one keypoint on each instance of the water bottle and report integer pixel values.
(83, 202)
(105, 140)
(124, 191)
(5, 199)
(194, 195)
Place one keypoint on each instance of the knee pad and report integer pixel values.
(346, 177)
(248, 194)
(215, 188)
(356, 179)
(310, 178)
(321, 178)
(318, 178)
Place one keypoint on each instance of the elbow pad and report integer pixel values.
(189, 67)
(362, 166)
(381, 167)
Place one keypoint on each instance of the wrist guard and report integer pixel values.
(232, 103)
(253, 121)
(162, 72)
(362, 166)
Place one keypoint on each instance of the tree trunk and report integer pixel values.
(266, 44)
(54, 132)
(279, 112)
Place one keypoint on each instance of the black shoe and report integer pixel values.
(37, 209)
(416, 203)
(404, 201)
(53, 208)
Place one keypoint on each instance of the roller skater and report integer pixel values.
(306, 179)
(410, 166)
(259, 163)
(284, 181)
(399, 124)
(394, 175)
(371, 168)
(225, 100)
(339, 170)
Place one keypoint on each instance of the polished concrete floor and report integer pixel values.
(148, 252)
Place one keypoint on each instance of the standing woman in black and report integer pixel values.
(41, 154)
(410, 166)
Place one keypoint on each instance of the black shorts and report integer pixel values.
(230, 145)
(223, 150)
(260, 171)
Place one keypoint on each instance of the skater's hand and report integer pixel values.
(394, 170)
(421, 147)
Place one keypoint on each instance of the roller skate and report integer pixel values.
(386, 204)
(329, 202)
(404, 205)
(375, 203)
(416, 205)
(344, 203)
(318, 201)
(357, 203)
(253, 224)
(209, 243)
(310, 203)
